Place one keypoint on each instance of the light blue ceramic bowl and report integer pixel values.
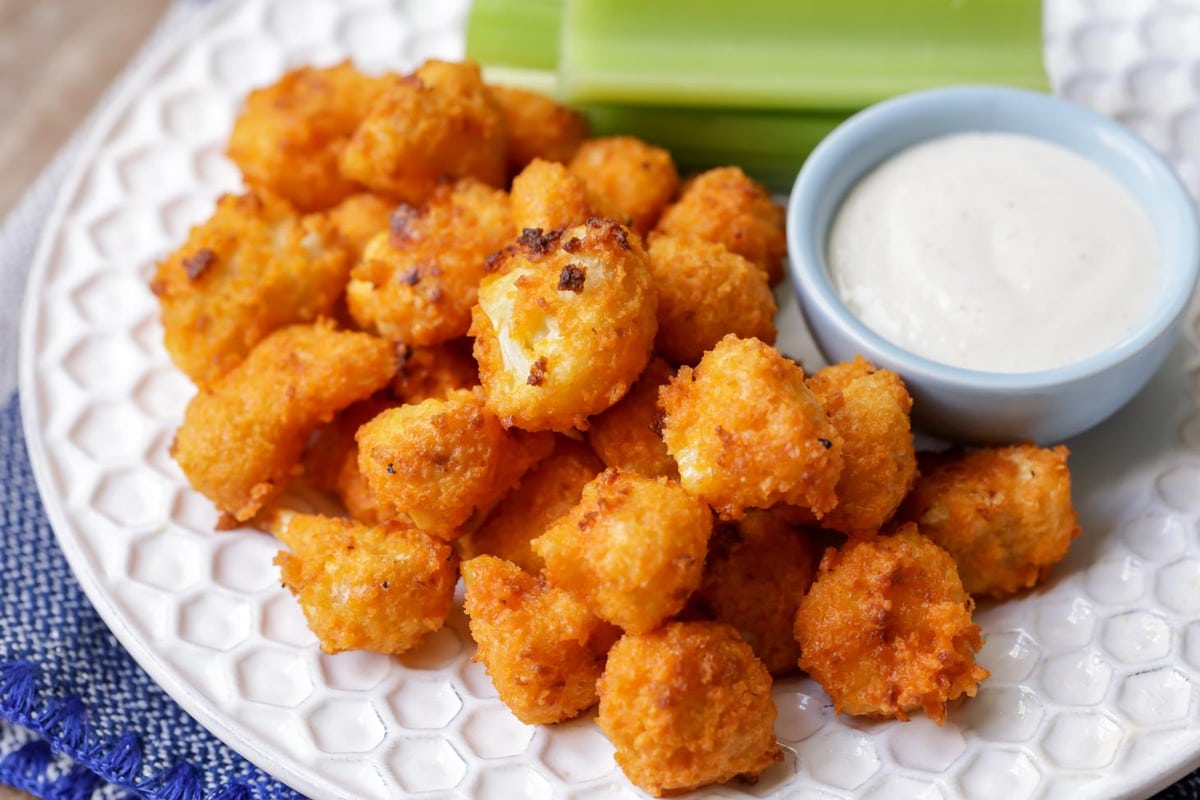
(976, 406)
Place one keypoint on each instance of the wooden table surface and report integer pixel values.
(56, 58)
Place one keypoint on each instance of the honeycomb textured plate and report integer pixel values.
(1094, 676)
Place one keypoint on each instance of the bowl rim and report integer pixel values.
(806, 245)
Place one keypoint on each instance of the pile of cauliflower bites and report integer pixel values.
(533, 356)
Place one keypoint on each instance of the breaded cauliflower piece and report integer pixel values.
(243, 436)
(629, 435)
(253, 267)
(440, 462)
(434, 125)
(886, 628)
(757, 571)
(564, 325)
(360, 218)
(686, 706)
(290, 135)
(547, 196)
(632, 549)
(331, 462)
(381, 588)
(870, 409)
(416, 284)
(549, 490)
(639, 178)
(542, 648)
(747, 432)
(435, 371)
(723, 205)
(1003, 513)
(537, 127)
(705, 292)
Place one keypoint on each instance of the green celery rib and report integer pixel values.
(791, 54)
(517, 34)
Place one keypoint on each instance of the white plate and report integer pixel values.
(1095, 676)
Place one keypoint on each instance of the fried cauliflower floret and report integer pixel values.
(253, 267)
(416, 283)
(537, 127)
(746, 431)
(290, 135)
(686, 706)
(632, 549)
(440, 462)
(564, 325)
(547, 491)
(542, 648)
(243, 436)
(629, 435)
(723, 205)
(438, 124)
(360, 218)
(886, 628)
(1003, 513)
(546, 195)
(870, 409)
(757, 572)
(639, 178)
(435, 371)
(381, 588)
(705, 292)
(331, 463)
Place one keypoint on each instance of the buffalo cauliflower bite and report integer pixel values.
(632, 549)
(435, 371)
(417, 282)
(687, 705)
(243, 436)
(537, 127)
(381, 588)
(705, 292)
(549, 490)
(547, 196)
(756, 573)
(290, 135)
(542, 648)
(629, 435)
(360, 218)
(442, 461)
(746, 432)
(886, 628)
(723, 205)
(564, 325)
(438, 124)
(253, 267)
(639, 178)
(1003, 513)
(870, 409)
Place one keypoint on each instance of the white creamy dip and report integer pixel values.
(994, 251)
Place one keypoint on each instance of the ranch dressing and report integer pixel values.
(994, 251)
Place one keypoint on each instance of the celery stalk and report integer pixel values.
(518, 35)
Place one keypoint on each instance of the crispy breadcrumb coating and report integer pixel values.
(549, 490)
(1003, 513)
(290, 135)
(746, 431)
(253, 267)
(243, 436)
(705, 292)
(757, 571)
(360, 218)
(417, 282)
(632, 549)
(629, 435)
(639, 178)
(870, 409)
(686, 706)
(381, 588)
(434, 125)
(547, 196)
(564, 325)
(435, 371)
(723, 205)
(537, 127)
(543, 649)
(442, 461)
(331, 463)
(886, 628)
